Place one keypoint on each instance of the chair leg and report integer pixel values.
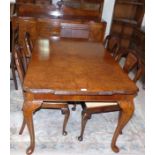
(74, 107)
(85, 117)
(119, 116)
(13, 73)
(22, 127)
(66, 112)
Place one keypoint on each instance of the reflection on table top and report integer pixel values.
(75, 67)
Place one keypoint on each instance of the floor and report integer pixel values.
(97, 137)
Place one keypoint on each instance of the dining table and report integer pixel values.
(69, 70)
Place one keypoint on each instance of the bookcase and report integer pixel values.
(127, 15)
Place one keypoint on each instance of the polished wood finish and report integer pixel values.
(99, 58)
(20, 60)
(89, 111)
(42, 2)
(75, 70)
(95, 5)
(112, 44)
(128, 14)
(57, 28)
(14, 40)
(138, 42)
(52, 11)
(28, 107)
(133, 61)
(28, 44)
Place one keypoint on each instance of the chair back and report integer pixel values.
(14, 33)
(28, 44)
(140, 70)
(20, 61)
(112, 43)
(130, 62)
(133, 61)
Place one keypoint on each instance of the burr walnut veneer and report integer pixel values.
(75, 70)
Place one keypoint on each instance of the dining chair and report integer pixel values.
(28, 45)
(112, 44)
(14, 40)
(132, 61)
(21, 63)
(89, 108)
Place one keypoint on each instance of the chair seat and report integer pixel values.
(99, 104)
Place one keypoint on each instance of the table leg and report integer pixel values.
(28, 109)
(127, 108)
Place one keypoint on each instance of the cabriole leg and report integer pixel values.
(127, 108)
(28, 109)
(85, 117)
(66, 112)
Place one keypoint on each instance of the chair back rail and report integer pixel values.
(20, 61)
(112, 44)
(133, 61)
(28, 44)
(130, 62)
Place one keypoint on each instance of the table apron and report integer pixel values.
(91, 98)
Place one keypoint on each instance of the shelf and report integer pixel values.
(127, 21)
(130, 2)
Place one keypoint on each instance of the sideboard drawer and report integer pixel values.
(48, 29)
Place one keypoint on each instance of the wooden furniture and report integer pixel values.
(82, 10)
(52, 11)
(112, 44)
(45, 27)
(96, 5)
(43, 2)
(90, 108)
(138, 42)
(12, 64)
(133, 61)
(20, 60)
(28, 44)
(75, 70)
(128, 14)
(14, 40)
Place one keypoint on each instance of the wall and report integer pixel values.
(143, 22)
(108, 13)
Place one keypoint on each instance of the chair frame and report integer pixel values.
(28, 44)
(129, 65)
(20, 58)
(116, 45)
(88, 111)
(14, 40)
